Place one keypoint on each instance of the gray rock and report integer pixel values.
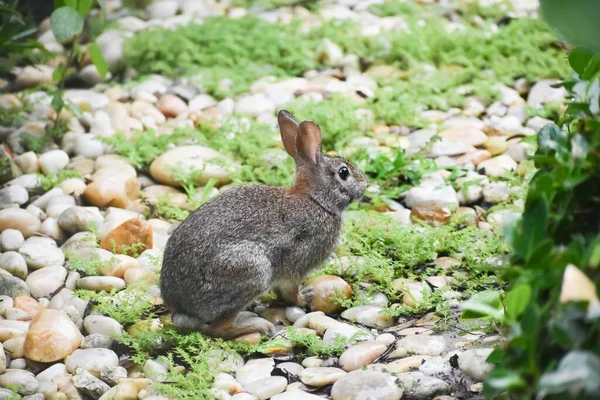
(420, 386)
(14, 263)
(101, 324)
(112, 375)
(97, 341)
(80, 240)
(94, 99)
(496, 192)
(13, 287)
(473, 362)
(53, 161)
(19, 219)
(537, 123)
(366, 384)
(371, 316)
(294, 313)
(267, 387)
(162, 9)
(89, 384)
(437, 367)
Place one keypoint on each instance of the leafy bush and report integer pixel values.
(552, 312)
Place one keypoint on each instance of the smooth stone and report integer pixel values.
(386, 339)
(91, 360)
(14, 263)
(542, 92)
(76, 219)
(201, 102)
(89, 384)
(473, 362)
(254, 105)
(319, 322)
(267, 387)
(420, 344)
(406, 364)
(171, 105)
(254, 370)
(126, 391)
(101, 283)
(52, 336)
(43, 200)
(496, 145)
(19, 219)
(12, 286)
(44, 282)
(90, 97)
(28, 304)
(11, 240)
(291, 367)
(33, 75)
(89, 146)
(15, 347)
(438, 194)
(53, 161)
(23, 381)
(325, 288)
(14, 194)
(371, 316)
(188, 158)
(113, 186)
(364, 384)
(292, 314)
(134, 231)
(467, 135)
(3, 359)
(321, 376)
(422, 387)
(101, 324)
(293, 395)
(39, 256)
(433, 213)
(346, 331)
(361, 354)
(51, 229)
(498, 166)
(496, 192)
(155, 371)
(537, 123)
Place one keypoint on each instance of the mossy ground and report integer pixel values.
(433, 70)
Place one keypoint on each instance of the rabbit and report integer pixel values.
(252, 238)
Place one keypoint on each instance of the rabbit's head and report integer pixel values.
(331, 181)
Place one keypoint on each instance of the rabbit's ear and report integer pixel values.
(308, 142)
(288, 126)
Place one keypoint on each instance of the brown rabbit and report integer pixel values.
(251, 238)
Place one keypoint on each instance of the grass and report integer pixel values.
(56, 178)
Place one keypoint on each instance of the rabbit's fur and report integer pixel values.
(251, 238)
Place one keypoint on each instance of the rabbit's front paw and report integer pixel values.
(305, 296)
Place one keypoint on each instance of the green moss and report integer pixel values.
(56, 178)
(127, 306)
(238, 49)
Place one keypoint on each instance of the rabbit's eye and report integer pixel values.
(343, 173)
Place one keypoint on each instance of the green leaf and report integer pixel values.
(576, 22)
(534, 225)
(84, 7)
(58, 4)
(73, 108)
(98, 59)
(517, 300)
(501, 379)
(551, 138)
(483, 304)
(58, 102)
(59, 72)
(66, 23)
(578, 373)
(579, 146)
(579, 59)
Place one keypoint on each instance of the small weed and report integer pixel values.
(56, 178)
(88, 265)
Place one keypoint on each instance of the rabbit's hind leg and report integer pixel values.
(291, 292)
(186, 322)
(239, 324)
